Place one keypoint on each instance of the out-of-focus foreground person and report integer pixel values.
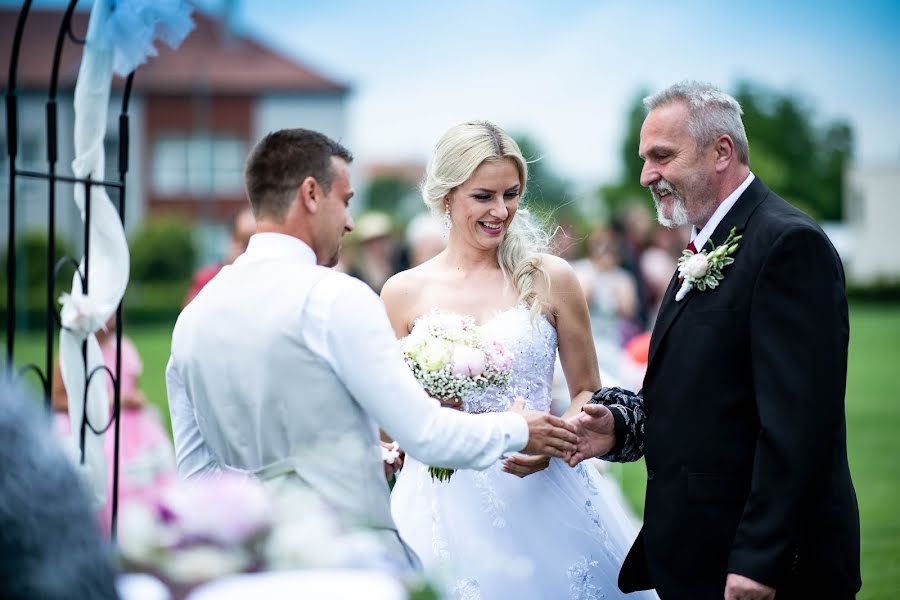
(50, 546)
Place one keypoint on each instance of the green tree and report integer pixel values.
(388, 194)
(162, 250)
(628, 189)
(548, 194)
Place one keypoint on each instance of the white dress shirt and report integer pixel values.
(342, 322)
(699, 238)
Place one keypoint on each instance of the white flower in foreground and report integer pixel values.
(139, 534)
(204, 563)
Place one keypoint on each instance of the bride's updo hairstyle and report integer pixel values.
(457, 154)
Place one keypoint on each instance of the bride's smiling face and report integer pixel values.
(482, 208)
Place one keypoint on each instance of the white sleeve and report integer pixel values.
(192, 456)
(356, 339)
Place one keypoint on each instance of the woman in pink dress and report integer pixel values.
(146, 457)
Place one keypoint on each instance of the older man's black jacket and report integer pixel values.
(741, 421)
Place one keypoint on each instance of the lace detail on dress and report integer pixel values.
(438, 542)
(602, 534)
(466, 589)
(589, 482)
(493, 505)
(582, 586)
(533, 344)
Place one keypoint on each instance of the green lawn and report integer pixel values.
(153, 343)
(873, 421)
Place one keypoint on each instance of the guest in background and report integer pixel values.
(375, 252)
(242, 227)
(610, 290)
(425, 238)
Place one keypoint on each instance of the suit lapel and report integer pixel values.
(737, 217)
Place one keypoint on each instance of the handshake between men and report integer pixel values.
(581, 436)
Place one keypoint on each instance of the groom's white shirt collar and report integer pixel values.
(701, 237)
(268, 245)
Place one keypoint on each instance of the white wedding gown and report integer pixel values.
(559, 533)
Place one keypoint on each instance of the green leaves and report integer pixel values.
(440, 473)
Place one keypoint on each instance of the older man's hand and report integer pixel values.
(596, 432)
(738, 587)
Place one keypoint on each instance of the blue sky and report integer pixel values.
(565, 71)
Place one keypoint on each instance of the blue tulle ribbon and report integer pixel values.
(134, 26)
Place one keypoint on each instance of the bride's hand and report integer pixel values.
(523, 466)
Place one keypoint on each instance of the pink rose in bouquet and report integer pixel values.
(468, 361)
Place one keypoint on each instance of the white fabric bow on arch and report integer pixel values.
(83, 313)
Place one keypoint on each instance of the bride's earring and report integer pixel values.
(448, 224)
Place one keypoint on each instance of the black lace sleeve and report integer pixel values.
(627, 409)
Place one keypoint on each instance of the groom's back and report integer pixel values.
(259, 391)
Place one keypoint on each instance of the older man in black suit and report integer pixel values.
(741, 418)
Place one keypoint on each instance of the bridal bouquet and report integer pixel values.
(451, 360)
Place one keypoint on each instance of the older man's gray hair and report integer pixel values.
(711, 113)
(50, 545)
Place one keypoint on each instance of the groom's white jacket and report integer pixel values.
(281, 367)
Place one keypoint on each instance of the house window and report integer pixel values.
(199, 165)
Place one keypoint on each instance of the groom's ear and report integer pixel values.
(724, 147)
(310, 194)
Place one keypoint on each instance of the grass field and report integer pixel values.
(873, 421)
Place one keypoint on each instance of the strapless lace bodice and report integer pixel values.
(533, 345)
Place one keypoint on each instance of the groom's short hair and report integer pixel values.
(711, 113)
(281, 161)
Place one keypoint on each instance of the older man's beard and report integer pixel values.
(679, 212)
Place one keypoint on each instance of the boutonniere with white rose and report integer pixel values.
(704, 271)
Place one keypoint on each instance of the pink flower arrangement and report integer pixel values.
(198, 530)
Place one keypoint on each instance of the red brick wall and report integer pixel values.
(183, 115)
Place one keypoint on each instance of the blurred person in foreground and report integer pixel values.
(741, 417)
(284, 368)
(50, 548)
(242, 227)
(528, 527)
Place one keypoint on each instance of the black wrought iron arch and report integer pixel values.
(53, 266)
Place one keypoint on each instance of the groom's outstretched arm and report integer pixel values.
(360, 346)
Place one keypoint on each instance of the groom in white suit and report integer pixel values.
(285, 368)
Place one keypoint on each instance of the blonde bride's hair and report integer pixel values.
(461, 150)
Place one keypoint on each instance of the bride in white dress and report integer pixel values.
(528, 527)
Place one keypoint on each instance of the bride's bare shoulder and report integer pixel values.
(407, 287)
